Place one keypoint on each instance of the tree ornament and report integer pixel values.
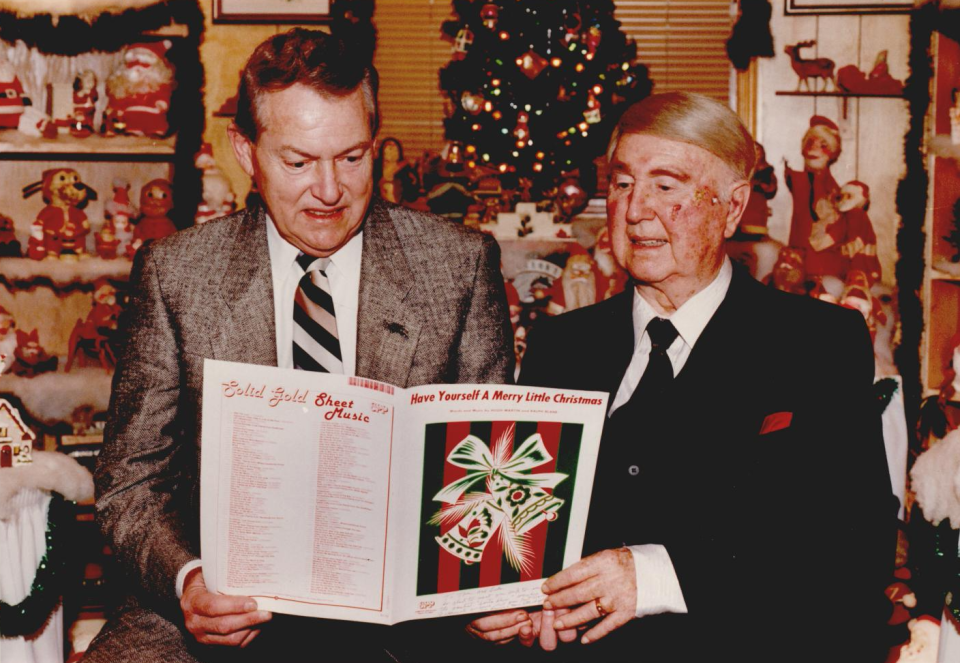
(489, 14)
(592, 41)
(462, 43)
(522, 130)
(571, 198)
(571, 28)
(531, 64)
(592, 114)
(472, 103)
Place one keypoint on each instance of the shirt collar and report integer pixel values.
(692, 317)
(283, 254)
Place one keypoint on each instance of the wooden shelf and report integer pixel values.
(60, 272)
(16, 146)
(879, 95)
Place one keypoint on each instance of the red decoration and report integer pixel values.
(93, 336)
(489, 14)
(11, 97)
(531, 64)
(9, 244)
(31, 359)
(878, 81)
(807, 70)
(156, 201)
(139, 92)
(65, 226)
(84, 104)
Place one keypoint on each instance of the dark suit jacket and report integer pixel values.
(782, 542)
(432, 309)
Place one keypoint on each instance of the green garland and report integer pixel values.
(945, 548)
(31, 613)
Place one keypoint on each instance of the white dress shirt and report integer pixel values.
(658, 589)
(343, 274)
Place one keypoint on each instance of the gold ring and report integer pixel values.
(600, 609)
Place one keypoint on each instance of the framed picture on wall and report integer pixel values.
(847, 6)
(271, 11)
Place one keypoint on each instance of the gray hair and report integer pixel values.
(694, 119)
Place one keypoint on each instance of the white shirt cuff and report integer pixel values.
(182, 576)
(658, 589)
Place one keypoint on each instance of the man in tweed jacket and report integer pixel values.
(428, 306)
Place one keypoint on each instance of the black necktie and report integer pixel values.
(659, 372)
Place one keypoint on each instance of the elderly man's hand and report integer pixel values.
(603, 585)
(530, 626)
(214, 619)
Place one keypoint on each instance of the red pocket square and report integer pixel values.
(776, 421)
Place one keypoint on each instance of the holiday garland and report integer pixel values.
(32, 612)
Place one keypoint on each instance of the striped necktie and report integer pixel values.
(316, 344)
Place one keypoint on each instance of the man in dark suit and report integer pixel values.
(415, 300)
(742, 507)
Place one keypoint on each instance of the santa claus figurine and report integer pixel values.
(11, 97)
(107, 242)
(84, 104)
(156, 201)
(861, 245)
(9, 244)
(857, 296)
(139, 92)
(218, 197)
(788, 274)
(817, 228)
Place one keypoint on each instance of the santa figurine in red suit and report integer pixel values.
(139, 92)
(84, 104)
(11, 97)
(107, 242)
(817, 228)
(788, 274)
(156, 201)
(120, 212)
(861, 245)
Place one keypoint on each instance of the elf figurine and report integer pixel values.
(817, 228)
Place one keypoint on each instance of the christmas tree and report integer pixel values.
(537, 86)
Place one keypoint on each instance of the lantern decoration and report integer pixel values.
(489, 14)
(462, 44)
(472, 103)
(531, 64)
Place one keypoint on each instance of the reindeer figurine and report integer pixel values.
(806, 69)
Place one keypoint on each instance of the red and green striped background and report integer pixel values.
(438, 570)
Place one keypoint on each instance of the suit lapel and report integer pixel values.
(387, 326)
(247, 330)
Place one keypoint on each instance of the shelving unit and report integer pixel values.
(941, 288)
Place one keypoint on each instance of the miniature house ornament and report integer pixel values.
(16, 440)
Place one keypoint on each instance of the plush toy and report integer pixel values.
(31, 359)
(935, 478)
(9, 244)
(84, 104)
(95, 335)
(139, 92)
(156, 201)
(11, 97)
(65, 226)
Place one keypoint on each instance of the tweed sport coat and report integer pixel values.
(432, 309)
